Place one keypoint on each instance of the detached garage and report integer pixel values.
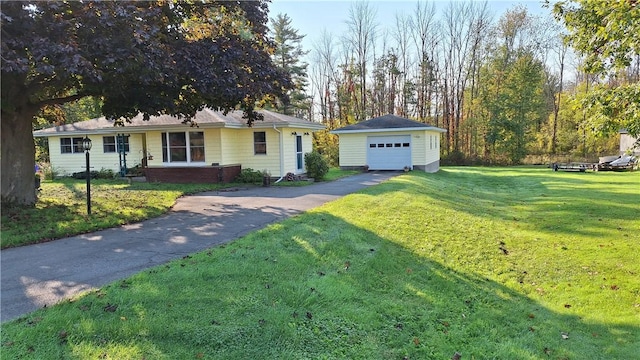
(390, 143)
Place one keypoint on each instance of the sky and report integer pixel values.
(312, 17)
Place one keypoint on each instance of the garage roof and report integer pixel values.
(387, 122)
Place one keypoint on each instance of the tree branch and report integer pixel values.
(60, 101)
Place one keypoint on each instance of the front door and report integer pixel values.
(299, 155)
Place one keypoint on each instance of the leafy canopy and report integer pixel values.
(152, 57)
(605, 33)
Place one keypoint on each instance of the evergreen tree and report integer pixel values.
(288, 57)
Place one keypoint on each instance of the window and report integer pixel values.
(109, 144)
(71, 145)
(183, 146)
(259, 142)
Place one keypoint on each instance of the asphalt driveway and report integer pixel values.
(44, 274)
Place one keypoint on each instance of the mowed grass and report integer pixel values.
(61, 209)
(491, 263)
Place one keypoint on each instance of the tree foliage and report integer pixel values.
(152, 57)
(605, 33)
(288, 56)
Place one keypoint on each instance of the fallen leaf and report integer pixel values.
(531, 316)
(568, 306)
(347, 265)
(309, 315)
(416, 341)
(62, 335)
(532, 329)
(594, 334)
(614, 287)
(409, 271)
(399, 326)
(456, 356)
(547, 351)
(199, 355)
(565, 336)
(110, 307)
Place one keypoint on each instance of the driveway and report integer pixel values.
(41, 275)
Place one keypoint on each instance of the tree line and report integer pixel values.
(503, 88)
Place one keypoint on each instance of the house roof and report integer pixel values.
(387, 122)
(205, 118)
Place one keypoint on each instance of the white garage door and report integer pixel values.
(388, 152)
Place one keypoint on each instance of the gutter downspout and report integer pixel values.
(281, 154)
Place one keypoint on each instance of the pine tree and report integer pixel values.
(288, 56)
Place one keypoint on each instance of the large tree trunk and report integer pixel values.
(18, 158)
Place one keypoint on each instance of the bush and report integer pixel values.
(316, 164)
(48, 172)
(105, 174)
(249, 176)
(82, 174)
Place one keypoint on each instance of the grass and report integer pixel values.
(61, 209)
(504, 263)
(332, 175)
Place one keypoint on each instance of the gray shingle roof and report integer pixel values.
(206, 119)
(387, 122)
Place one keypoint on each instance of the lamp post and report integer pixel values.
(86, 146)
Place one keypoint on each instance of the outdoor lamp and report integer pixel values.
(86, 143)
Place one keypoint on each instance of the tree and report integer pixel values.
(138, 57)
(605, 32)
(288, 57)
(361, 38)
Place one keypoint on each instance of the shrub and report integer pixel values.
(105, 174)
(82, 174)
(249, 176)
(48, 172)
(316, 164)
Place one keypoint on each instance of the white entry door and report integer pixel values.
(389, 152)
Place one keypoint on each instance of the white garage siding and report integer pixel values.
(389, 152)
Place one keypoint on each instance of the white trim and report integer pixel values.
(430, 128)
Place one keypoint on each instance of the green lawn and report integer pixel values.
(504, 263)
(61, 209)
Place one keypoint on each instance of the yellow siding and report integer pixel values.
(154, 148)
(237, 148)
(353, 149)
(67, 164)
(432, 154)
(418, 141)
(222, 146)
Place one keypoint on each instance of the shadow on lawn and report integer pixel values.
(541, 200)
(314, 286)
